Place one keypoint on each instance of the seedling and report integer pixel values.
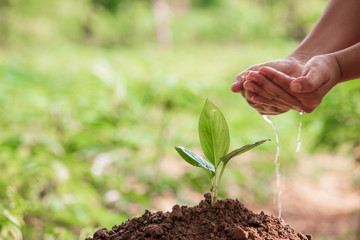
(215, 141)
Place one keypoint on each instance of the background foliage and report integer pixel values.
(93, 102)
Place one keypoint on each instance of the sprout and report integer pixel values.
(215, 141)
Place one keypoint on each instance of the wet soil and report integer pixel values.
(225, 219)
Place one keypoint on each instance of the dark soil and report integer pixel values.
(225, 219)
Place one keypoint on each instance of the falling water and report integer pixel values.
(298, 146)
(278, 191)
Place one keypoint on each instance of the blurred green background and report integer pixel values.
(95, 94)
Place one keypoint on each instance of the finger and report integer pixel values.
(239, 80)
(255, 98)
(237, 86)
(256, 106)
(308, 83)
(287, 66)
(280, 79)
(267, 110)
(260, 100)
(283, 81)
(264, 109)
(311, 100)
(248, 95)
(252, 86)
(277, 92)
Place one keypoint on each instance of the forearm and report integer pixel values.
(349, 62)
(337, 29)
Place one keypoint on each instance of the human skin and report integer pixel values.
(349, 61)
(321, 74)
(336, 30)
(289, 66)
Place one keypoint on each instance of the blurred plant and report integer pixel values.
(109, 5)
(69, 138)
(336, 119)
(206, 3)
(10, 213)
(215, 142)
(10, 227)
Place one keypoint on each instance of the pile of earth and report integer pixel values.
(225, 219)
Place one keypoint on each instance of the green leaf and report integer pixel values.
(213, 133)
(241, 150)
(195, 159)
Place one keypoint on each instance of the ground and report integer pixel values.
(319, 196)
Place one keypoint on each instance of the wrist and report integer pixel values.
(339, 68)
(300, 56)
(348, 62)
(334, 67)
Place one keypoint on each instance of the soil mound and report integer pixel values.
(226, 219)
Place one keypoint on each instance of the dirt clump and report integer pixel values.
(225, 219)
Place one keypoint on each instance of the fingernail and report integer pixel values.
(247, 74)
(296, 87)
(248, 86)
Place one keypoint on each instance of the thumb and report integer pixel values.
(308, 83)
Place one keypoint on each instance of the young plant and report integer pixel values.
(215, 142)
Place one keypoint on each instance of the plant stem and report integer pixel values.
(215, 193)
(221, 173)
(214, 188)
(217, 183)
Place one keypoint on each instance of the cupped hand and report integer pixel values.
(244, 84)
(265, 96)
(304, 93)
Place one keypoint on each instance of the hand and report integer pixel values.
(290, 66)
(305, 93)
(258, 93)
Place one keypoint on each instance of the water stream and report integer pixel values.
(298, 145)
(277, 192)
